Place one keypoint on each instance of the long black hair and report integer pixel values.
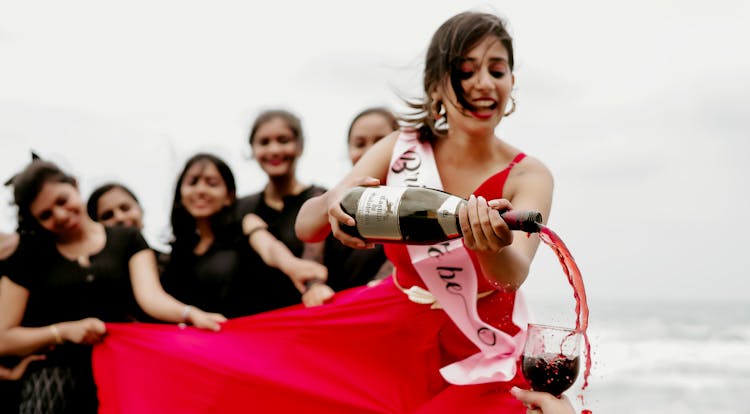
(184, 225)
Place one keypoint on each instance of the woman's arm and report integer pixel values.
(505, 260)
(274, 253)
(152, 298)
(18, 340)
(320, 215)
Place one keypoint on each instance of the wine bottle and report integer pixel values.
(415, 215)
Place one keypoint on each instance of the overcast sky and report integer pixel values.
(639, 109)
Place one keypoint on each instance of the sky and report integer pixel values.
(638, 108)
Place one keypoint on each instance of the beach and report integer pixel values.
(666, 357)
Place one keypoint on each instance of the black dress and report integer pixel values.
(219, 280)
(349, 267)
(9, 390)
(274, 289)
(62, 290)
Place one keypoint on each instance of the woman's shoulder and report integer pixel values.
(8, 244)
(529, 177)
(532, 166)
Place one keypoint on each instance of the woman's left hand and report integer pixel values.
(206, 320)
(317, 294)
(12, 374)
(483, 228)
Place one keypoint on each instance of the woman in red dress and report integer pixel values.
(403, 345)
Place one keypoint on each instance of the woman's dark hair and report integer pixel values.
(291, 120)
(379, 110)
(183, 224)
(447, 50)
(92, 206)
(26, 187)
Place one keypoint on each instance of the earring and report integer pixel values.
(512, 106)
(437, 108)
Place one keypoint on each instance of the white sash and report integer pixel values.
(449, 274)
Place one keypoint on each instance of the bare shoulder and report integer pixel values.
(8, 244)
(529, 177)
(532, 166)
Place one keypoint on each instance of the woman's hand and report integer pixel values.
(336, 215)
(12, 374)
(542, 402)
(301, 271)
(483, 228)
(87, 331)
(205, 320)
(317, 294)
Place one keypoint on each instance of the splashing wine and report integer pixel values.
(550, 358)
(550, 372)
(551, 239)
(416, 215)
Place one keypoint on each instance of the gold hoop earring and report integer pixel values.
(437, 109)
(512, 106)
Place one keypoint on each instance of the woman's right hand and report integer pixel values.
(206, 320)
(87, 331)
(336, 215)
(302, 271)
(542, 402)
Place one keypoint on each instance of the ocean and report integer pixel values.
(671, 357)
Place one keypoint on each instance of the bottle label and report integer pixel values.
(447, 214)
(377, 213)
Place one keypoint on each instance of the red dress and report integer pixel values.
(370, 350)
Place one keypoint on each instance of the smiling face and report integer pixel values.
(58, 208)
(485, 79)
(203, 191)
(276, 148)
(117, 207)
(365, 132)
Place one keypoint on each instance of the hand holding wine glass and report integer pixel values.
(550, 360)
(543, 403)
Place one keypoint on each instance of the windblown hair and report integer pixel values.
(447, 50)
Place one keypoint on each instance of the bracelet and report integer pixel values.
(248, 234)
(186, 313)
(56, 334)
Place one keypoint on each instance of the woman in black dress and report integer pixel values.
(114, 204)
(67, 278)
(216, 259)
(277, 141)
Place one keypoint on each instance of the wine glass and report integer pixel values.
(551, 358)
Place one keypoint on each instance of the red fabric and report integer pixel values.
(370, 350)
